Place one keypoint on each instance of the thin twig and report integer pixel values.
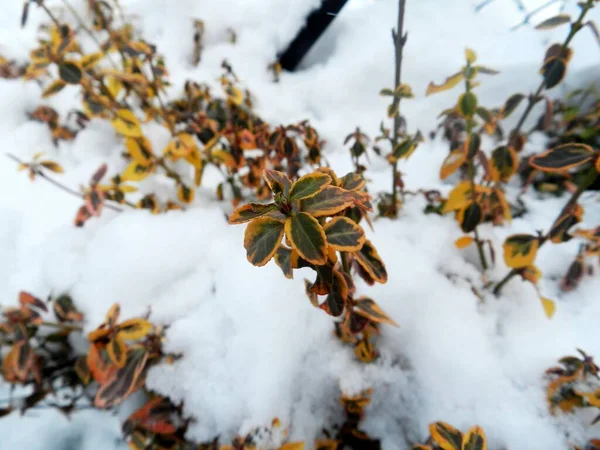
(399, 41)
(57, 184)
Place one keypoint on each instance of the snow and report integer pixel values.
(254, 348)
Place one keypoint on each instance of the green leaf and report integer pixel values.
(404, 149)
(250, 211)
(283, 258)
(328, 202)
(511, 104)
(307, 237)
(344, 235)
(474, 439)
(467, 104)
(486, 70)
(366, 307)
(368, 258)
(386, 92)
(352, 181)
(308, 186)
(554, 70)
(446, 436)
(503, 163)
(471, 217)
(262, 239)
(562, 158)
(70, 72)
(553, 22)
(277, 181)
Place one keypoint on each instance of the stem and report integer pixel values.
(399, 41)
(575, 27)
(471, 170)
(57, 184)
(45, 8)
(580, 190)
(62, 326)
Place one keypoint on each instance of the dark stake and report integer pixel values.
(315, 26)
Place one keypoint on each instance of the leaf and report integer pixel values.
(449, 83)
(520, 250)
(511, 104)
(112, 316)
(52, 166)
(364, 351)
(126, 123)
(459, 197)
(486, 70)
(292, 446)
(53, 88)
(22, 360)
(453, 161)
(403, 149)
(25, 298)
(344, 235)
(123, 382)
(99, 367)
(474, 439)
(250, 211)
(470, 56)
(329, 201)
(117, 351)
(366, 307)
(562, 158)
(559, 231)
(463, 242)
(553, 22)
(82, 370)
(307, 237)
(352, 181)
(308, 186)
(467, 104)
(386, 92)
(134, 329)
(70, 72)
(277, 181)
(140, 150)
(446, 436)
(549, 306)
(470, 217)
(504, 163)
(283, 258)
(368, 258)
(136, 172)
(262, 239)
(91, 60)
(553, 70)
(185, 194)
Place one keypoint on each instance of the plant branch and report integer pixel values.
(399, 41)
(533, 99)
(67, 189)
(574, 198)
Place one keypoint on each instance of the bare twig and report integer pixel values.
(399, 41)
(57, 184)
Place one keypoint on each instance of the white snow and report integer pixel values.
(254, 347)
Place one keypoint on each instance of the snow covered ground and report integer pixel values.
(254, 346)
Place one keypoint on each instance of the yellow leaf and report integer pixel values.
(470, 55)
(117, 351)
(140, 150)
(113, 315)
(531, 274)
(185, 194)
(292, 446)
(52, 166)
(446, 436)
(549, 306)
(224, 157)
(134, 329)
(136, 172)
(453, 161)
(459, 197)
(126, 123)
(114, 86)
(463, 242)
(449, 83)
(89, 61)
(520, 250)
(474, 439)
(53, 88)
